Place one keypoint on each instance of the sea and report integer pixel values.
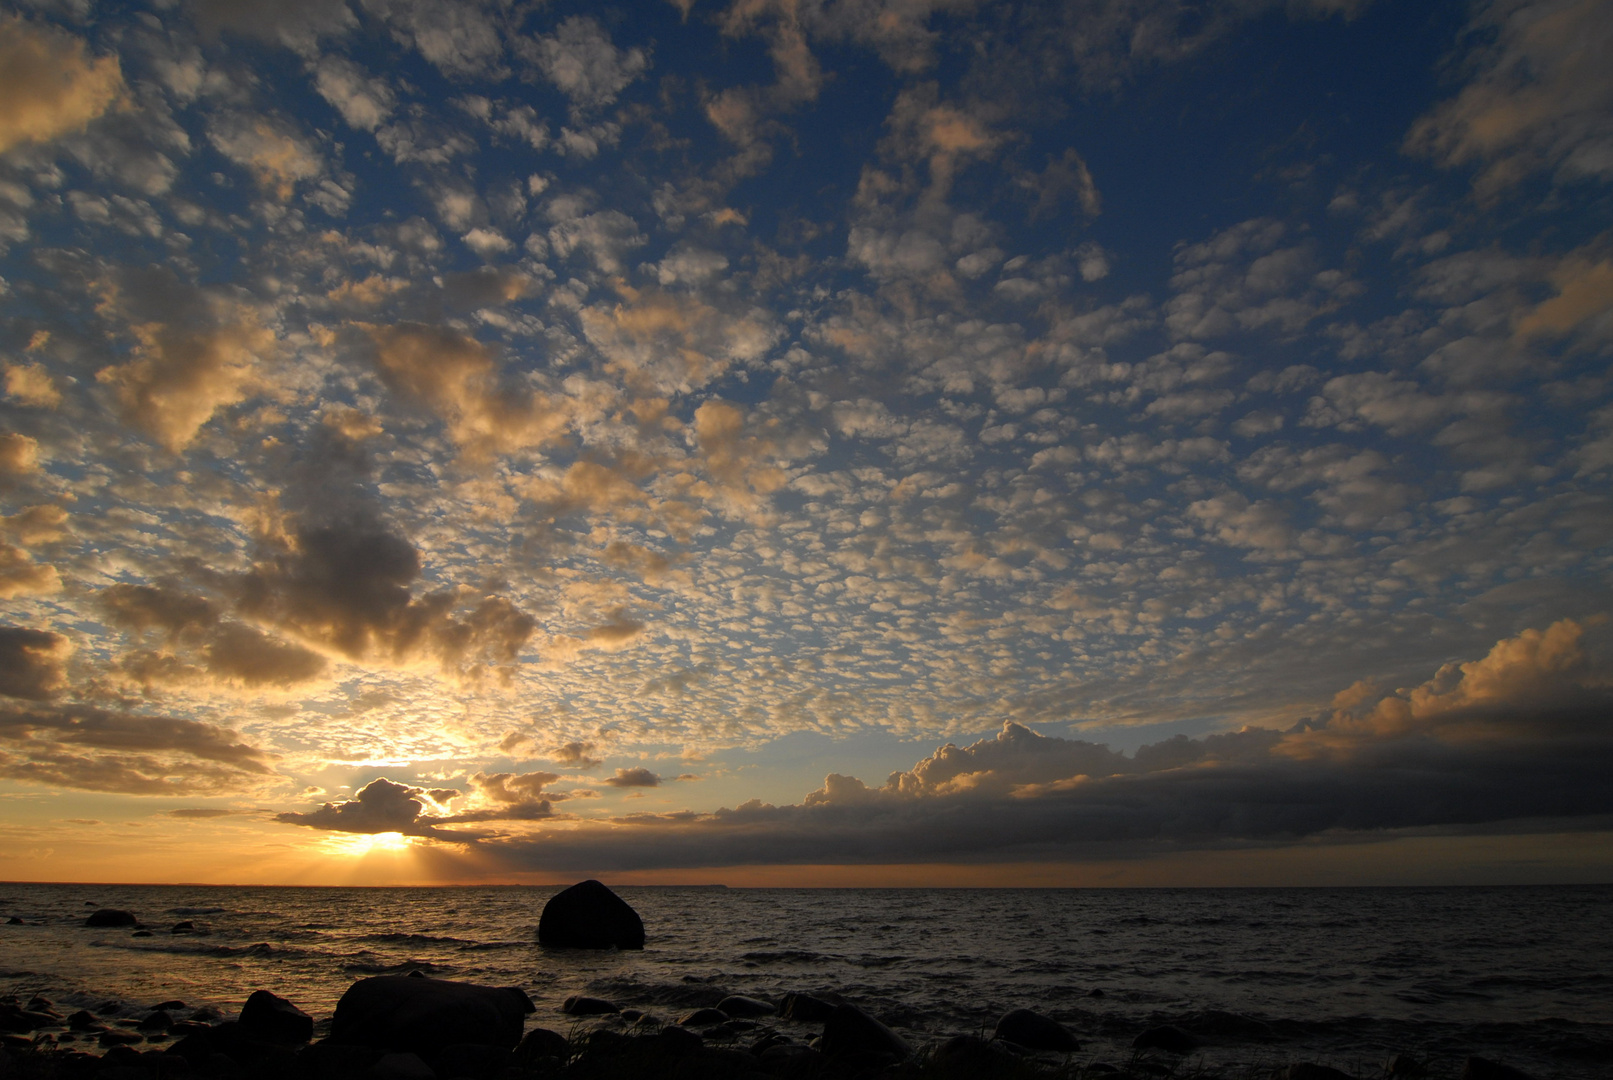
(1345, 977)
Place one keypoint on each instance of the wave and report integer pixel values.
(195, 911)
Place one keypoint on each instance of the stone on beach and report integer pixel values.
(1034, 1031)
(972, 1054)
(402, 1066)
(851, 1032)
(744, 1007)
(111, 917)
(272, 1018)
(1306, 1070)
(541, 1043)
(704, 1018)
(804, 1008)
(400, 1012)
(582, 1005)
(589, 916)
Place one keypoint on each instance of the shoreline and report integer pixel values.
(595, 1039)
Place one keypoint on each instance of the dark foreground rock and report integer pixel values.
(112, 917)
(272, 1018)
(402, 1012)
(1034, 1031)
(582, 1005)
(589, 916)
(850, 1032)
(804, 1008)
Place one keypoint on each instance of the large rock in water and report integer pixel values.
(272, 1018)
(404, 1012)
(850, 1032)
(112, 917)
(1034, 1031)
(590, 916)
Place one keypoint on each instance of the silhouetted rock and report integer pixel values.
(403, 1013)
(1405, 1065)
(141, 933)
(1305, 1070)
(1094, 993)
(589, 916)
(14, 921)
(850, 1032)
(703, 1018)
(111, 917)
(159, 1020)
(581, 1005)
(183, 927)
(84, 1020)
(678, 1041)
(169, 1006)
(1477, 1068)
(541, 1043)
(1034, 1031)
(741, 1006)
(475, 1061)
(804, 1008)
(17, 1021)
(401, 1066)
(1171, 1039)
(272, 1018)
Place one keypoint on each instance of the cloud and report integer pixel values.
(575, 755)
(94, 749)
(32, 385)
(197, 351)
(461, 39)
(198, 813)
(274, 153)
(634, 777)
(296, 24)
(456, 377)
(1518, 734)
(1542, 97)
(581, 61)
(364, 102)
(21, 576)
(380, 806)
(347, 589)
(32, 663)
(50, 85)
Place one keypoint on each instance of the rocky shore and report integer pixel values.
(413, 1027)
(457, 1031)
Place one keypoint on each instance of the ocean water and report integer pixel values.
(1343, 976)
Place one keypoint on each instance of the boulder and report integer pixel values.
(159, 1020)
(850, 1032)
(111, 917)
(1405, 1065)
(704, 1018)
(1034, 1031)
(1172, 1040)
(581, 1005)
(398, 1012)
(541, 1043)
(473, 1061)
(14, 921)
(401, 1066)
(804, 1008)
(741, 1006)
(272, 1018)
(1477, 1068)
(589, 916)
(183, 927)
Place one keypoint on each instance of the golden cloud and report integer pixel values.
(50, 84)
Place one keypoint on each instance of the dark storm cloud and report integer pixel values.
(31, 663)
(1525, 733)
(348, 587)
(380, 806)
(100, 750)
(637, 776)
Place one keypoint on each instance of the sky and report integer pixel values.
(806, 442)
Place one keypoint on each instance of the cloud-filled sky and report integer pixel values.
(806, 440)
